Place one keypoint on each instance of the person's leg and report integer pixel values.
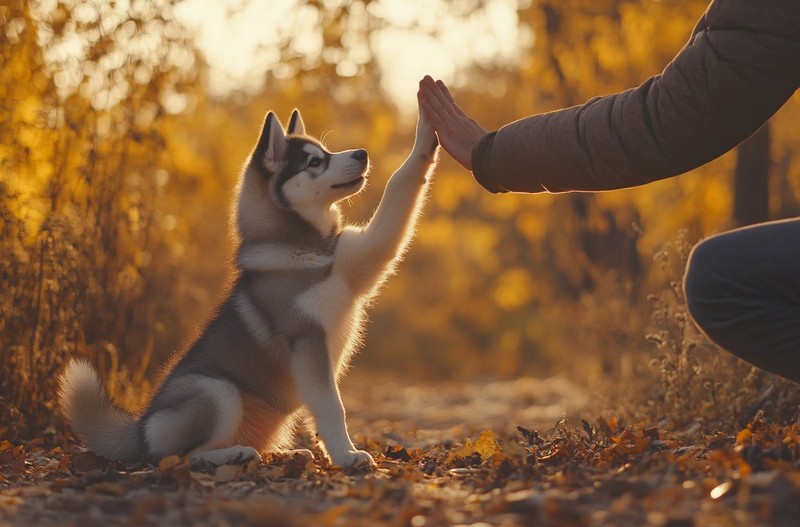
(743, 291)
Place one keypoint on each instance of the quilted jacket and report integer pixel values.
(739, 67)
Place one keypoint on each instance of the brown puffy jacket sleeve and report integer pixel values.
(740, 66)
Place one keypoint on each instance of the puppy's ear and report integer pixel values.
(271, 147)
(296, 125)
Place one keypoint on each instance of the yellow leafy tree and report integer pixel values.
(85, 99)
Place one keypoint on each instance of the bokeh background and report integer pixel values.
(124, 123)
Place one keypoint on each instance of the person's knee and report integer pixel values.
(737, 296)
(703, 284)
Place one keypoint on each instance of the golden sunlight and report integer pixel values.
(531, 360)
(241, 40)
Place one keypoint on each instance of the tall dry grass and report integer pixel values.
(695, 383)
(84, 260)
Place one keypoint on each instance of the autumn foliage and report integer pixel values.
(116, 169)
(603, 473)
(87, 247)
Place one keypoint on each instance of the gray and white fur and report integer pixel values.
(282, 336)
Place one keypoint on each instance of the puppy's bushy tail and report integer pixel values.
(107, 429)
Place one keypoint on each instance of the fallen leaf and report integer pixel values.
(397, 453)
(169, 462)
(226, 473)
(88, 461)
(334, 514)
(744, 436)
(108, 487)
(12, 457)
(485, 446)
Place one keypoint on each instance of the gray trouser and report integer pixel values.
(743, 290)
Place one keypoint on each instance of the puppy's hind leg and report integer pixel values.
(197, 415)
(225, 456)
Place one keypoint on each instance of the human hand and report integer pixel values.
(458, 133)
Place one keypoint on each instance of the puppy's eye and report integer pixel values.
(314, 162)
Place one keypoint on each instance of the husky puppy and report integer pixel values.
(282, 336)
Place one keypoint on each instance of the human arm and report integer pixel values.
(740, 66)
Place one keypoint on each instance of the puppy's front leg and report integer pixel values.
(365, 255)
(317, 390)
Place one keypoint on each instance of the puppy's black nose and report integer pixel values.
(360, 155)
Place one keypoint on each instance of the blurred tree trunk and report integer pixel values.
(788, 205)
(751, 179)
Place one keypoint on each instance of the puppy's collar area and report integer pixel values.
(266, 256)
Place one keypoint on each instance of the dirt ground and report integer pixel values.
(514, 453)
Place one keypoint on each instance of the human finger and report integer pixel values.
(445, 91)
(433, 92)
(447, 101)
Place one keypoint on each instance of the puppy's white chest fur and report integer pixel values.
(326, 302)
(331, 304)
